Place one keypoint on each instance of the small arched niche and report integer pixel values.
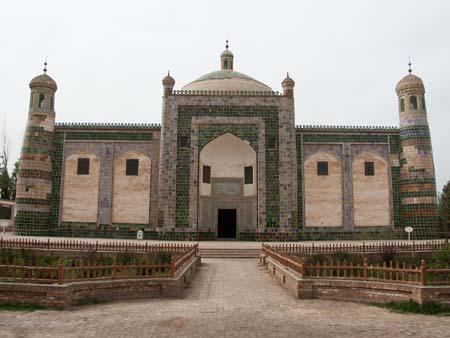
(41, 104)
(228, 156)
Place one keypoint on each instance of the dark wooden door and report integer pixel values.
(226, 223)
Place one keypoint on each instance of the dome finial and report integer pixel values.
(226, 44)
(409, 66)
(45, 66)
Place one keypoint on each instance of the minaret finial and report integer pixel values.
(287, 75)
(409, 66)
(45, 65)
(168, 73)
(226, 45)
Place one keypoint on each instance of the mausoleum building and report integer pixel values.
(228, 161)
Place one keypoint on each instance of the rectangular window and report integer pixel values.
(322, 168)
(206, 174)
(5, 213)
(248, 175)
(132, 168)
(271, 142)
(83, 166)
(369, 168)
(184, 141)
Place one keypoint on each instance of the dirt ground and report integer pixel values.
(228, 298)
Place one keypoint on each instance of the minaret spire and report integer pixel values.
(45, 66)
(409, 66)
(226, 58)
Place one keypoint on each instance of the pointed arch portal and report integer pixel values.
(227, 185)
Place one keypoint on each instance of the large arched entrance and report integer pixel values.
(227, 186)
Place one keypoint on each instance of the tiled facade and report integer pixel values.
(167, 202)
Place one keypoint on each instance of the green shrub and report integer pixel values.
(411, 306)
(20, 307)
(88, 301)
(441, 258)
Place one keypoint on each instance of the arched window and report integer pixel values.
(52, 103)
(423, 103)
(413, 102)
(41, 101)
(225, 64)
(402, 104)
(31, 100)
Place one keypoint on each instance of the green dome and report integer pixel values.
(226, 80)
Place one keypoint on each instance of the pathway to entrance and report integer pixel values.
(228, 298)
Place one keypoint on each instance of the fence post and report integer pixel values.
(423, 272)
(60, 272)
(13, 269)
(172, 266)
(365, 269)
(48, 243)
(114, 268)
(303, 267)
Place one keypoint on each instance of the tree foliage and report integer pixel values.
(444, 208)
(7, 181)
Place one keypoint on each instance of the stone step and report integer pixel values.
(229, 253)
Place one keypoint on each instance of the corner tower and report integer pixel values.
(417, 178)
(35, 179)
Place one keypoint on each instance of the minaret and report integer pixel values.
(226, 58)
(35, 179)
(168, 82)
(166, 212)
(288, 86)
(417, 178)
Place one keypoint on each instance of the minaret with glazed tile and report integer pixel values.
(417, 177)
(35, 178)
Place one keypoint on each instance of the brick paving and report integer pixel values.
(228, 298)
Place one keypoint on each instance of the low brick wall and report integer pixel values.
(354, 290)
(61, 296)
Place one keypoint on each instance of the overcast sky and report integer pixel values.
(108, 57)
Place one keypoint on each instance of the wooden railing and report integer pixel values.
(359, 248)
(65, 274)
(392, 272)
(69, 245)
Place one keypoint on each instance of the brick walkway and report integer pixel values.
(228, 298)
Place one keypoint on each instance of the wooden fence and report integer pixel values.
(362, 248)
(392, 272)
(65, 274)
(70, 245)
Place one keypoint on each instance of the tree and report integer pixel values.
(5, 183)
(13, 181)
(5, 151)
(444, 208)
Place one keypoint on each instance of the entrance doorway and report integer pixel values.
(226, 223)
